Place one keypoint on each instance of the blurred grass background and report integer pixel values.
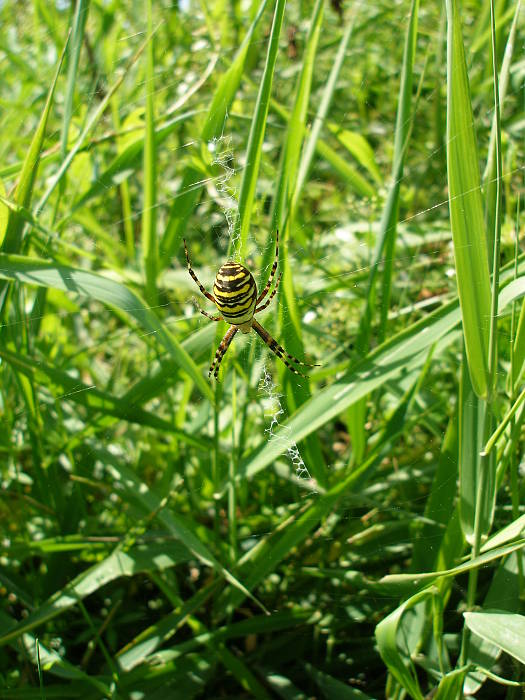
(357, 534)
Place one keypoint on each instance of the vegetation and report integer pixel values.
(355, 534)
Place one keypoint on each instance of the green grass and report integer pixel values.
(358, 534)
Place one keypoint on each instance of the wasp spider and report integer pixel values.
(235, 295)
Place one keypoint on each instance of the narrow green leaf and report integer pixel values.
(77, 38)
(439, 508)
(472, 411)
(357, 145)
(4, 214)
(466, 211)
(518, 353)
(24, 188)
(411, 581)
(504, 422)
(51, 660)
(510, 532)
(257, 130)
(297, 123)
(149, 212)
(503, 594)
(150, 639)
(490, 174)
(125, 162)
(407, 349)
(385, 245)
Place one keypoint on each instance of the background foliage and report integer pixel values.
(355, 534)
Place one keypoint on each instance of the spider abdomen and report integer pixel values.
(235, 293)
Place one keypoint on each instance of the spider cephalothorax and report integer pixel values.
(235, 296)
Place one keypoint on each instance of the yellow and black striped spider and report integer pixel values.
(235, 295)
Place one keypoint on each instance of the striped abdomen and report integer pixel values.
(235, 293)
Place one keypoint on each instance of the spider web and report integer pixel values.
(273, 410)
(223, 159)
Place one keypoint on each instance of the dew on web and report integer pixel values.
(273, 410)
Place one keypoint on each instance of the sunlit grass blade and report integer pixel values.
(386, 237)
(257, 130)
(451, 685)
(490, 174)
(282, 216)
(466, 211)
(127, 160)
(24, 188)
(472, 411)
(346, 172)
(502, 426)
(149, 211)
(4, 214)
(91, 285)
(77, 37)
(297, 124)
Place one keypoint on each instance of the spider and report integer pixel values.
(235, 295)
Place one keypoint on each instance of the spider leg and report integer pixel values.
(272, 273)
(205, 313)
(266, 303)
(212, 318)
(194, 276)
(221, 351)
(278, 350)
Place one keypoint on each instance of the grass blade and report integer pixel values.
(257, 130)
(24, 188)
(466, 211)
(149, 212)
